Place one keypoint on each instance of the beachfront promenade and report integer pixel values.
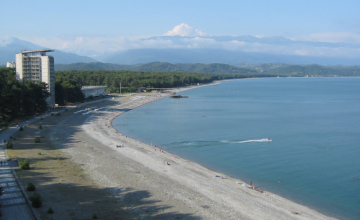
(14, 201)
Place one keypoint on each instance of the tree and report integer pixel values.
(67, 90)
(19, 99)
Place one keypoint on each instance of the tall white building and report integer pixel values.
(36, 66)
(10, 64)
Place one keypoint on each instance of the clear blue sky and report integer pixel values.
(287, 18)
(58, 24)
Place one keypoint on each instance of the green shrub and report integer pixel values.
(21, 129)
(52, 114)
(39, 153)
(9, 145)
(14, 139)
(24, 164)
(40, 127)
(36, 200)
(30, 187)
(50, 211)
(58, 114)
(11, 137)
(94, 216)
(37, 140)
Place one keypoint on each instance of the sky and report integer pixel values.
(100, 27)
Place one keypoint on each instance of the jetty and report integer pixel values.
(178, 96)
(173, 95)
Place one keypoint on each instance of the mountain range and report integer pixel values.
(236, 50)
(207, 49)
(11, 46)
(207, 56)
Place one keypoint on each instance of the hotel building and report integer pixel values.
(36, 66)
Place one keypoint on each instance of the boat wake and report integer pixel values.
(212, 143)
(250, 141)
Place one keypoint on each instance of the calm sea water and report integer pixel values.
(314, 124)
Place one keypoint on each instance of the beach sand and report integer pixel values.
(137, 182)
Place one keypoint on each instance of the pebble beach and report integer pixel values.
(181, 189)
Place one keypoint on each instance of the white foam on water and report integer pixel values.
(251, 141)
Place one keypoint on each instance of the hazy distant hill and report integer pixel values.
(313, 70)
(207, 56)
(11, 46)
(158, 67)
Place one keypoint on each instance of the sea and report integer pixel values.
(313, 157)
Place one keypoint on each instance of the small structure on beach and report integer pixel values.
(93, 91)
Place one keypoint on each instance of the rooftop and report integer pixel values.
(34, 51)
(92, 87)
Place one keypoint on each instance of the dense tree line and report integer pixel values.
(20, 99)
(67, 90)
(136, 79)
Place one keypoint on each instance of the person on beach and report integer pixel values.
(250, 183)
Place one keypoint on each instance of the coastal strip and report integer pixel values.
(83, 167)
(208, 194)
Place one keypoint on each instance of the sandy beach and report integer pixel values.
(144, 182)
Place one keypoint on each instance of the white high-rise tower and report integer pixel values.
(36, 66)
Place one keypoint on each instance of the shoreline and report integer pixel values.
(190, 174)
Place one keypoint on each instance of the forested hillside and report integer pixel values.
(193, 68)
(158, 67)
(278, 69)
(92, 66)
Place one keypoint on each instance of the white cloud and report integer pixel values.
(181, 29)
(200, 33)
(79, 40)
(184, 30)
(341, 37)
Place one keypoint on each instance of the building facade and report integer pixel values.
(36, 66)
(93, 91)
(10, 64)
